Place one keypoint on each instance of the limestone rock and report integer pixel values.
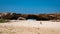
(30, 16)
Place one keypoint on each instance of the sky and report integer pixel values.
(30, 6)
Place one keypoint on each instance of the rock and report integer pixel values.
(16, 16)
(6, 15)
(21, 18)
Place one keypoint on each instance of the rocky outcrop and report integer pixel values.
(21, 18)
(6, 15)
(16, 16)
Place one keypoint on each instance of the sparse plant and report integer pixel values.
(3, 20)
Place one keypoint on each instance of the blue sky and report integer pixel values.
(30, 6)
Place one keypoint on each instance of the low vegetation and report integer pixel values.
(3, 20)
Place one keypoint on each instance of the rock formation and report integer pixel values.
(21, 18)
(16, 16)
(6, 15)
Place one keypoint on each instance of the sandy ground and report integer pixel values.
(30, 27)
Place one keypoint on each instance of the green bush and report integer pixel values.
(3, 20)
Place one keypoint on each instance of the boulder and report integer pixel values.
(21, 18)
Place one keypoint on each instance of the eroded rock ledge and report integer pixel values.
(15, 16)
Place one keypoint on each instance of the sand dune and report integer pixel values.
(30, 27)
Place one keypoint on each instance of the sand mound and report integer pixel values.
(30, 27)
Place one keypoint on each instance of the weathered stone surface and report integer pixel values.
(6, 15)
(30, 16)
(21, 18)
